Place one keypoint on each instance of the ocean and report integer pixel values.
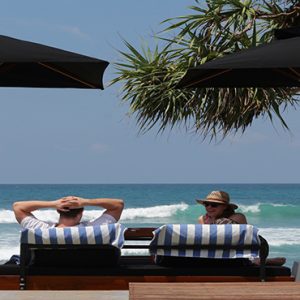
(273, 208)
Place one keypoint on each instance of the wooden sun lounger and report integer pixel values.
(130, 269)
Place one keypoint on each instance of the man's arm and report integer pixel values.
(23, 209)
(113, 207)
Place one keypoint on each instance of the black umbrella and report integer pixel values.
(287, 33)
(276, 64)
(27, 64)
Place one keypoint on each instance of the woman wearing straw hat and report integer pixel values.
(219, 210)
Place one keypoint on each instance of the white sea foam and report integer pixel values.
(283, 205)
(161, 211)
(281, 236)
(7, 216)
(6, 253)
(259, 207)
(255, 208)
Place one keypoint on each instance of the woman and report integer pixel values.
(219, 210)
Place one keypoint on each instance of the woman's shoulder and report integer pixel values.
(201, 220)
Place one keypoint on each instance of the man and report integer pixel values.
(70, 211)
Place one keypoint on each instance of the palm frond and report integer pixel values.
(215, 28)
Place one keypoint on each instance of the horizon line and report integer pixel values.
(145, 183)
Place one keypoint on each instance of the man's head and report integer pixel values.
(70, 217)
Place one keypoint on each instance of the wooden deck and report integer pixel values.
(216, 291)
(63, 295)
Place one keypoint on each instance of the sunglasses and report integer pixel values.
(212, 204)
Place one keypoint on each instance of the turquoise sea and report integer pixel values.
(273, 208)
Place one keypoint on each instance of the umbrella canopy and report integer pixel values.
(287, 33)
(276, 64)
(27, 64)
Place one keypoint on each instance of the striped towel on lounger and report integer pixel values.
(206, 241)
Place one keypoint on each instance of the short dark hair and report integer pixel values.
(72, 213)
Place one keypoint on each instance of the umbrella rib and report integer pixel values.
(4, 67)
(208, 77)
(294, 71)
(287, 74)
(66, 74)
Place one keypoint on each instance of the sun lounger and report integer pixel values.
(199, 245)
(71, 247)
(41, 274)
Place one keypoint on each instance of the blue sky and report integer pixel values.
(85, 136)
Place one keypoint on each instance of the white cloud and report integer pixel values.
(74, 30)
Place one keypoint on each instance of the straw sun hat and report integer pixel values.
(218, 197)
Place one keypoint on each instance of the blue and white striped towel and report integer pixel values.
(227, 235)
(106, 234)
